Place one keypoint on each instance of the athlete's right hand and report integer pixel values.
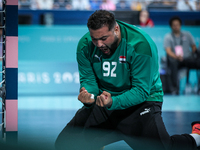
(85, 97)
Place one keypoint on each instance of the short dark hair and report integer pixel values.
(101, 18)
(175, 18)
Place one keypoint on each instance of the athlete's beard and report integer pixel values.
(113, 46)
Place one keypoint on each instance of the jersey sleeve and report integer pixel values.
(86, 73)
(141, 69)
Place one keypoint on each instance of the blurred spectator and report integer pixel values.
(34, 4)
(169, 4)
(198, 5)
(44, 4)
(186, 5)
(81, 5)
(108, 5)
(136, 5)
(181, 52)
(24, 4)
(145, 4)
(123, 5)
(145, 21)
(162, 5)
(198, 71)
(1, 14)
(155, 4)
(94, 4)
(116, 1)
(62, 4)
(0, 4)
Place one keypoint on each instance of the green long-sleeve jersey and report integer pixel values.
(130, 74)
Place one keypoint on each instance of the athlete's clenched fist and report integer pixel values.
(104, 100)
(85, 97)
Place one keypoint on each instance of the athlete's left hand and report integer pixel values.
(104, 100)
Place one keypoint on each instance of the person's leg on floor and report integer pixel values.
(149, 131)
(89, 129)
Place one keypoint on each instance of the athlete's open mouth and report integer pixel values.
(105, 50)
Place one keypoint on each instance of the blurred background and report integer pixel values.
(49, 31)
(48, 34)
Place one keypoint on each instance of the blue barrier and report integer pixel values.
(60, 16)
(163, 17)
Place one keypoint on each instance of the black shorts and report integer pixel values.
(140, 126)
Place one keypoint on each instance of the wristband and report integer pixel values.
(92, 96)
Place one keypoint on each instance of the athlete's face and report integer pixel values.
(107, 41)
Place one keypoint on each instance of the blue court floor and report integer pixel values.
(41, 118)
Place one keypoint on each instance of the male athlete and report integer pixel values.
(121, 91)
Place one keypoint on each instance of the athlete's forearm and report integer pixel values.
(130, 98)
(87, 77)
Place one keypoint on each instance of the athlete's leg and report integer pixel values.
(152, 133)
(89, 129)
(73, 129)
